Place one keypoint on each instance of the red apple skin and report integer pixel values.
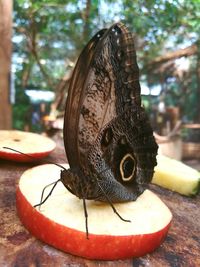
(102, 247)
(23, 158)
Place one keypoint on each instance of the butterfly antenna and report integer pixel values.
(34, 158)
(42, 195)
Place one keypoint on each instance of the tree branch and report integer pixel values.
(86, 16)
(33, 49)
(188, 51)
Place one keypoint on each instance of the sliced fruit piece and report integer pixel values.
(33, 144)
(176, 176)
(61, 223)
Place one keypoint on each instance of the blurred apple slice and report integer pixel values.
(33, 144)
(60, 221)
(176, 176)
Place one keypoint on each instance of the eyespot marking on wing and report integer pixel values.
(127, 167)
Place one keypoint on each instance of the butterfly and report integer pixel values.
(107, 135)
(108, 138)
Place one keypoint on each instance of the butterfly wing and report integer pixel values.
(76, 94)
(93, 99)
(106, 132)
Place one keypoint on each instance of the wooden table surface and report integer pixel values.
(20, 249)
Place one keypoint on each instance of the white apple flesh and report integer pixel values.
(32, 144)
(61, 223)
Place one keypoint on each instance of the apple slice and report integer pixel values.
(176, 176)
(60, 221)
(35, 145)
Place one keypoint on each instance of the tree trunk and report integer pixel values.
(5, 63)
(198, 83)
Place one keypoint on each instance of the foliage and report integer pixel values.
(49, 34)
(21, 110)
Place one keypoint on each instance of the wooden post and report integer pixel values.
(5, 63)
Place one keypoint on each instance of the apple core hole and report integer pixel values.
(16, 140)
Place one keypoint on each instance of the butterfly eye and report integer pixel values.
(127, 167)
(107, 137)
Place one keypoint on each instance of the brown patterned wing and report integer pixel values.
(76, 94)
(105, 82)
(108, 138)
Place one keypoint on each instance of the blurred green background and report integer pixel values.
(48, 36)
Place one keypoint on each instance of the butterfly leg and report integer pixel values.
(111, 204)
(42, 195)
(86, 218)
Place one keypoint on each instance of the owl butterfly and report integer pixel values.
(107, 136)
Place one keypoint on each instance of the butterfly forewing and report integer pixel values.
(75, 98)
(104, 83)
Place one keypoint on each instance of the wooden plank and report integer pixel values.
(5, 63)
